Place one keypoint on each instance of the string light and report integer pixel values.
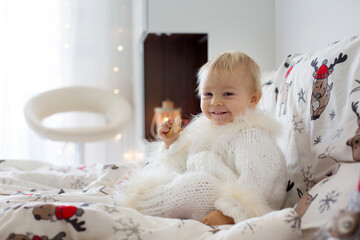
(131, 156)
(71, 149)
(116, 69)
(67, 26)
(139, 156)
(117, 137)
(120, 29)
(66, 45)
(116, 91)
(120, 48)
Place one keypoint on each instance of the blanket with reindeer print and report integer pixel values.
(315, 96)
(44, 201)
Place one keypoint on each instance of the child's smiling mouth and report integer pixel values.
(219, 113)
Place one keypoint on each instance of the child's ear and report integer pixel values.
(255, 98)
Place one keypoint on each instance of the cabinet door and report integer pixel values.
(171, 65)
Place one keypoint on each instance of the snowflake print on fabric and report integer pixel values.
(334, 43)
(214, 229)
(5, 182)
(110, 210)
(181, 224)
(268, 83)
(332, 115)
(325, 181)
(301, 95)
(354, 38)
(250, 225)
(103, 190)
(308, 177)
(296, 124)
(326, 154)
(129, 229)
(45, 199)
(308, 57)
(317, 140)
(293, 219)
(79, 183)
(326, 203)
(66, 169)
(338, 133)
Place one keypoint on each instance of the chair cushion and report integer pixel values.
(115, 109)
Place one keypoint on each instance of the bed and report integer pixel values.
(314, 95)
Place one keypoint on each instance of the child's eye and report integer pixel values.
(228, 94)
(207, 94)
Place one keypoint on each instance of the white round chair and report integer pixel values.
(116, 110)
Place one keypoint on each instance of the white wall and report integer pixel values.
(139, 16)
(244, 25)
(302, 26)
(266, 30)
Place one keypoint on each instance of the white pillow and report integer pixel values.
(317, 207)
(314, 143)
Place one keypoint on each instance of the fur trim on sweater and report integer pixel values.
(242, 155)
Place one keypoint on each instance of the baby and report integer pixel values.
(224, 167)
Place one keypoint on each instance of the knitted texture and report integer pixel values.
(260, 188)
(189, 196)
(242, 157)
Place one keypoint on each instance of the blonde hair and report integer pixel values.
(230, 62)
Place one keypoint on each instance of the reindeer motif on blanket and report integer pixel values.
(284, 92)
(354, 142)
(321, 89)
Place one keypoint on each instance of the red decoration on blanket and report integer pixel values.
(323, 72)
(66, 212)
(288, 71)
(82, 167)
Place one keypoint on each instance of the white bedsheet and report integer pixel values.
(39, 200)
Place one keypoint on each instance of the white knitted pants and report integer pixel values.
(188, 196)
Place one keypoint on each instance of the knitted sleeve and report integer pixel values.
(261, 185)
(174, 158)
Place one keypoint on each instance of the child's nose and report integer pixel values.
(217, 102)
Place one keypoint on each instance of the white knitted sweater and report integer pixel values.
(242, 155)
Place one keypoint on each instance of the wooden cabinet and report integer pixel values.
(171, 62)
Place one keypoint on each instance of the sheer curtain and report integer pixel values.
(49, 44)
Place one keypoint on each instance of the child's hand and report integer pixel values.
(163, 130)
(217, 218)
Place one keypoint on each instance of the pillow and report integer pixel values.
(328, 197)
(317, 104)
(268, 99)
(270, 85)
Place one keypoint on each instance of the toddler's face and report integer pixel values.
(224, 96)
